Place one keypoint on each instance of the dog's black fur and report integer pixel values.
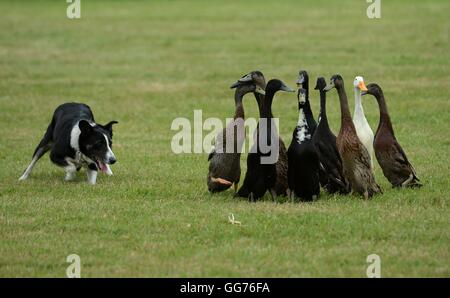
(76, 141)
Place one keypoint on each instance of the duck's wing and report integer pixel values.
(400, 156)
(363, 157)
(330, 169)
(282, 169)
(330, 158)
(220, 143)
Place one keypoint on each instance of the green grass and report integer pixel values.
(146, 63)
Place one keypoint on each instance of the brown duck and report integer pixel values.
(355, 157)
(390, 155)
(224, 166)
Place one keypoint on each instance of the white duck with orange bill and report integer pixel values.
(363, 130)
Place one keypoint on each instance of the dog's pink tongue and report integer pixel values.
(103, 167)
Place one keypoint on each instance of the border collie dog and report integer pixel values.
(75, 141)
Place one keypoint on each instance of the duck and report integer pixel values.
(355, 157)
(257, 77)
(281, 184)
(331, 172)
(303, 161)
(363, 130)
(263, 163)
(390, 155)
(303, 83)
(224, 167)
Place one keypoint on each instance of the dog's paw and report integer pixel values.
(23, 178)
(69, 177)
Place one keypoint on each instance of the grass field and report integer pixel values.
(146, 63)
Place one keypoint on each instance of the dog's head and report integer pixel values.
(96, 143)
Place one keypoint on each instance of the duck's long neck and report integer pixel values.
(359, 111)
(239, 111)
(323, 106)
(265, 113)
(307, 106)
(305, 86)
(266, 105)
(260, 100)
(345, 111)
(384, 115)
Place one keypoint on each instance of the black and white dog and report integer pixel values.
(76, 141)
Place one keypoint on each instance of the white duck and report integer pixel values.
(363, 130)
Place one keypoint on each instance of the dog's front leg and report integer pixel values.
(91, 176)
(71, 171)
(91, 172)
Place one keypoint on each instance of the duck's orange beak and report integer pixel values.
(362, 86)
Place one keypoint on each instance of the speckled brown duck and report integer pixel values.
(224, 166)
(355, 157)
(390, 155)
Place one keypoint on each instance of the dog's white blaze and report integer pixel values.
(109, 153)
(75, 137)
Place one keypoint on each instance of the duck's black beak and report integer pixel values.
(235, 85)
(364, 92)
(328, 87)
(286, 88)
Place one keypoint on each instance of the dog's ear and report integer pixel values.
(108, 126)
(84, 126)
